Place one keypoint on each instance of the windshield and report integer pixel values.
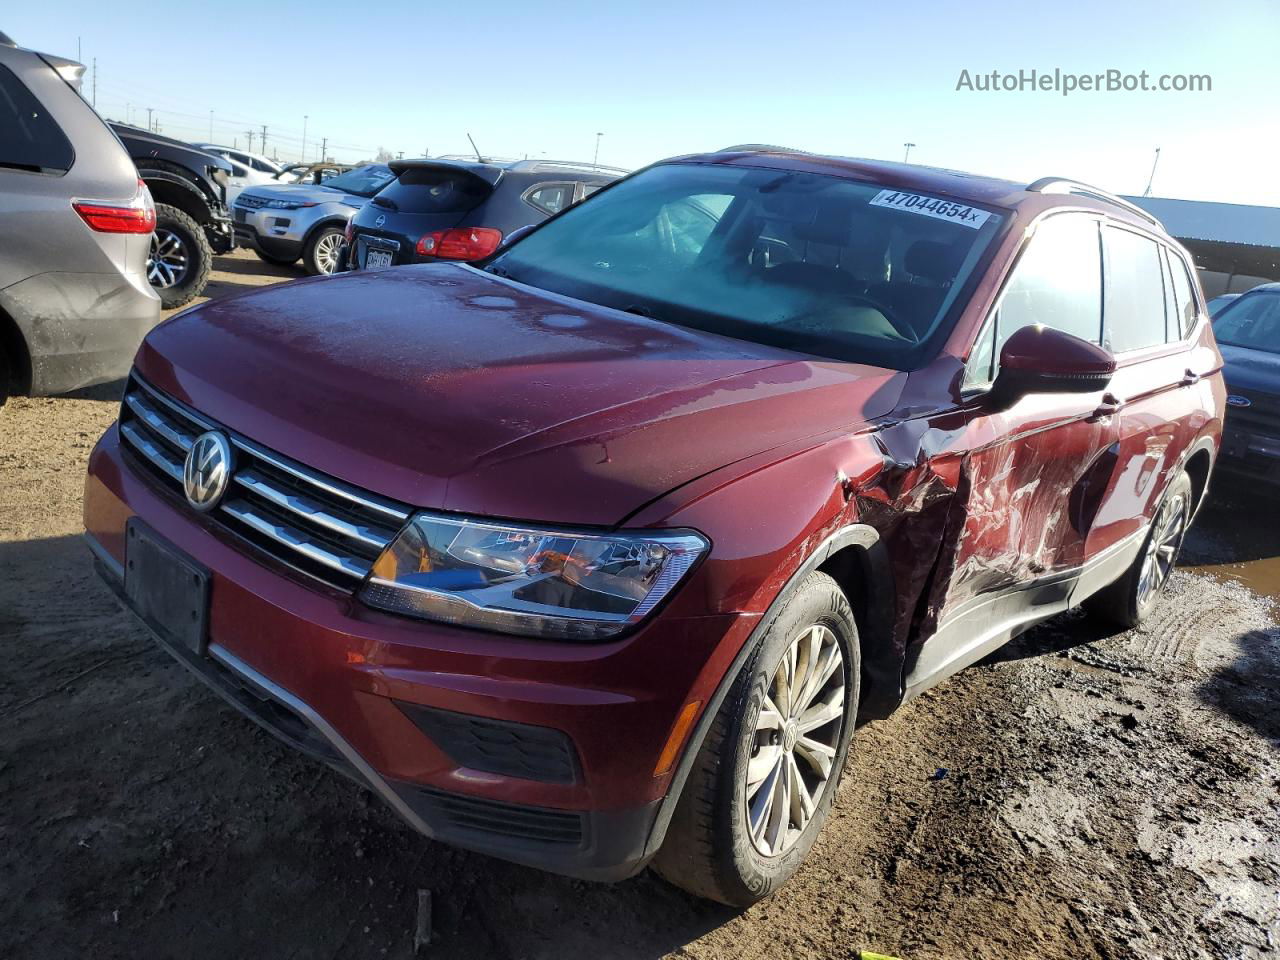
(823, 265)
(1251, 321)
(362, 181)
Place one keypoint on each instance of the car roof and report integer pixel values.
(491, 170)
(1046, 192)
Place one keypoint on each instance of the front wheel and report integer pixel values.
(323, 251)
(180, 258)
(765, 777)
(1128, 601)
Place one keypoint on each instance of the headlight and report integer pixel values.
(287, 204)
(538, 582)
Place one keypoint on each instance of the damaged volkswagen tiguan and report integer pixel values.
(592, 555)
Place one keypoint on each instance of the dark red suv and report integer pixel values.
(592, 554)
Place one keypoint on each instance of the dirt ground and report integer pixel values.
(1077, 795)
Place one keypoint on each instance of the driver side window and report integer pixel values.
(1056, 282)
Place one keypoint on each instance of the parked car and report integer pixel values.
(285, 222)
(247, 169)
(589, 555)
(444, 209)
(1217, 303)
(75, 223)
(190, 191)
(312, 172)
(1248, 331)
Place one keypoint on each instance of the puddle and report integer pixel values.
(1237, 536)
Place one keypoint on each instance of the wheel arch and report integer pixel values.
(1199, 467)
(331, 220)
(15, 358)
(857, 560)
(176, 191)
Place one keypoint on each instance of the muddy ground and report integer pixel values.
(1077, 795)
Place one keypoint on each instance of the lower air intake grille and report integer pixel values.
(498, 746)
(474, 815)
(313, 523)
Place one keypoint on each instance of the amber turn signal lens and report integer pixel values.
(679, 730)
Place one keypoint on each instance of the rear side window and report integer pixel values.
(30, 139)
(436, 190)
(551, 197)
(1134, 303)
(1184, 300)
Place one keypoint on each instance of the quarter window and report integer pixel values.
(32, 140)
(551, 197)
(1134, 305)
(1183, 298)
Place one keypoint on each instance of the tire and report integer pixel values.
(1128, 601)
(276, 261)
(710, 849)
(322, 252)
(180, 259)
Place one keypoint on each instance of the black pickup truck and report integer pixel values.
(190, 190)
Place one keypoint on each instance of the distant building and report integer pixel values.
(1236, 246)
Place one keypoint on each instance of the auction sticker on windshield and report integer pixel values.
(948, 210)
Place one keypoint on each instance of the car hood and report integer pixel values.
(444, 387)
(1247, 369)
(301, 193)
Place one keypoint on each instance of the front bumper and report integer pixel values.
(341, 683)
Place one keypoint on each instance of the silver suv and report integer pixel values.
(75, 230)
(290, 221)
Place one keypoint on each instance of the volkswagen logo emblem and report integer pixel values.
(1238, 401)
(207, 470)
(382, 218)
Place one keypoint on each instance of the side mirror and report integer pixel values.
(1040, 359)
(517, 234)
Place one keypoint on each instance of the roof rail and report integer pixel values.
(1076, 188)
(552, 165)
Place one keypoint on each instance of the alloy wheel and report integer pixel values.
(167, 261)
(327, 249)
(1162, 548)
(797, 736)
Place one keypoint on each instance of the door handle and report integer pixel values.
(1189, 378)
(1109, 407)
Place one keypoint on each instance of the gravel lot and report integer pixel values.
(1077, 795)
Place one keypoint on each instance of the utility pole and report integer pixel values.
(1151, 179)
(249, 134)
(595, 162)
(304, 138)
(263, 146)
(324, 148)
(149, 118)
(907, 155)
(399, 154)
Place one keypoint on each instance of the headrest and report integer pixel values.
(934, 260)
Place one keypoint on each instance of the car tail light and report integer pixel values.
(136, 216)
(460, 243)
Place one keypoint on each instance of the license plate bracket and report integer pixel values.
(376, 259)
(166, 588)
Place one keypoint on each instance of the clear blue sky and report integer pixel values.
(663, 78)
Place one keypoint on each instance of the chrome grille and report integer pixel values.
(313, 523)
(250, 202)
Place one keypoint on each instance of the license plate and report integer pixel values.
(166, 588)
(377, 259)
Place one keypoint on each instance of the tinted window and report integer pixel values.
(551, 197)
(362, 181)
(30, 139)
(434, 190)
(1057, 282)
(1134, 304)
(855, 270)
(1251, 321)
(1184, 300)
